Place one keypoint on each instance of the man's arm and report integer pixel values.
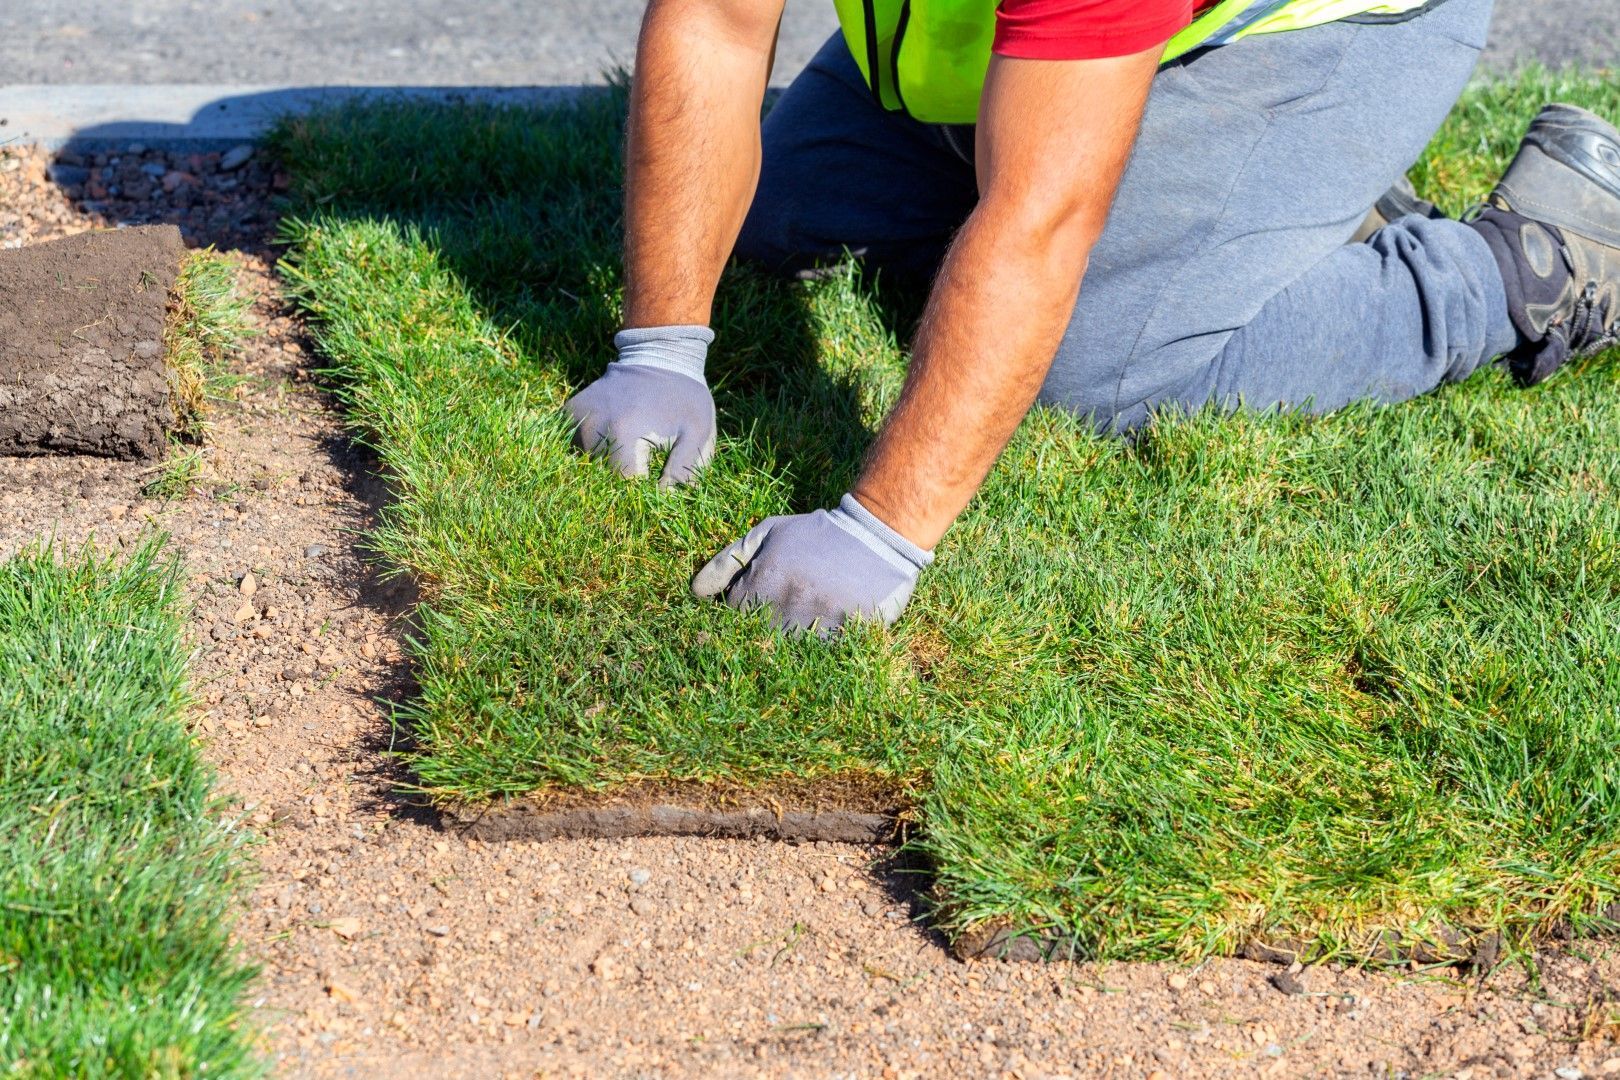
(1054, 137)
(691, 165)
(692, 157)
(1053, 140)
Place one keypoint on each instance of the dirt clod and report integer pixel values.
(1287, 982)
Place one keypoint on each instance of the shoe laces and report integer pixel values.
(1588, 328)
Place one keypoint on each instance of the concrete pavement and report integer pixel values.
(492, 42)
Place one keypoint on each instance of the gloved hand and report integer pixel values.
(817, 570)
(652, 396)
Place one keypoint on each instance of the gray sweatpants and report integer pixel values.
(1223, 274)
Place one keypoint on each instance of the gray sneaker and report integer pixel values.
(1553, 224)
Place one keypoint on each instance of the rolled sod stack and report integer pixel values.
(82, 357)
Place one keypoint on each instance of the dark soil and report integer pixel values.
(851, 809)
(520, 820)
(81, 343)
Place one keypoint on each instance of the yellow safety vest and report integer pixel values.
(928, 57)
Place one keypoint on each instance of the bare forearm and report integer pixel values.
(1054, 138)
(693, 151)
(993, 324)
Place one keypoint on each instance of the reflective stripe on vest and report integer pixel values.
(928, 57)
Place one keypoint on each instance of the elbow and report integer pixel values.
(1056, 229)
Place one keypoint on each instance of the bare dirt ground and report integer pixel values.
(393, 947)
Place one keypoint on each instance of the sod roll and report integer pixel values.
(82, 367)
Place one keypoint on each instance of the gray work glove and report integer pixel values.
(816, 570)
(652, 396)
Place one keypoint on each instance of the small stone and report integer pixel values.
(439, 931)
(1177, 981)
(605, 967)
(1207, 988)
(348, 927)
(320, 806)
(248, 585)
(146, 350)
(515, 1019)
(1568, 1072)
(245, 612)
(640, 877)
(116, 513)
(644, 907)
(314, 551)
(235, 158)
(368, 650)
(1288, 983)
(339, 992)
(262, 721)
(154, 168)
(829, 884)
(175, 179)
(261, 632)
(67, 175)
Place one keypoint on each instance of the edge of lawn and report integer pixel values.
(363, 382)
(120, 876)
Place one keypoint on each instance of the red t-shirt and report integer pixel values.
(1089, 29)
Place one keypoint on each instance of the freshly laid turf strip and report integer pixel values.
(116, 882)
(1247, 677)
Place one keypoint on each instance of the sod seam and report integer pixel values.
(1341, 683)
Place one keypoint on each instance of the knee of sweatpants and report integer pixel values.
(1091, 394)
(763, 241)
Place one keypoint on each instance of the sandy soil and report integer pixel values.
(393, 947)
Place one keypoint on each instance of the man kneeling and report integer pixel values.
(1199, 167)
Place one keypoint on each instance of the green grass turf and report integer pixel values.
(1247, 676)
(116, 880)
(207, 323)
